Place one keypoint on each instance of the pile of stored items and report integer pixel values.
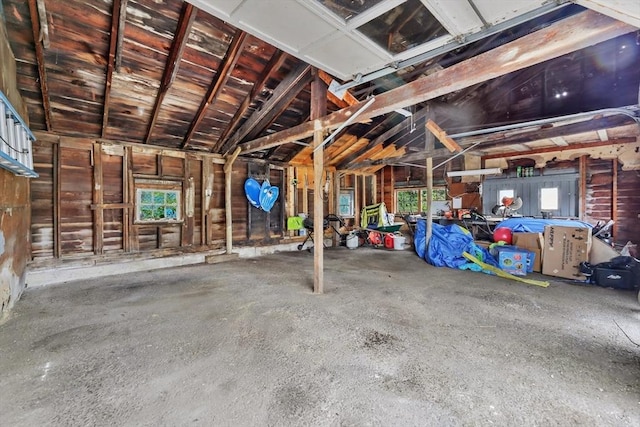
(567, 249)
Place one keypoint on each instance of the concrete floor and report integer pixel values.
(393, 341)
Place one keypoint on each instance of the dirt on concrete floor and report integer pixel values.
(393, 341)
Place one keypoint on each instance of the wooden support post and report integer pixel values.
(318, 214)
(382, 184)
(429, 143)
(98, 192)
(363, 190)
(228, 166)
(429, 164)
(614, 200)
(57, 184)
(392, 184)
(305, 193)
(126, 154)
(336, 201)
(583, 188)
(356, 200)
(291, 190)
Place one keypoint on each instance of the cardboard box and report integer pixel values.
(564, 249)
(533, 242)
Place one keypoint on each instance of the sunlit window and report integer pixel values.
(549, 199)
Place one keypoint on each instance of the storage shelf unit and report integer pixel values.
(16, 154)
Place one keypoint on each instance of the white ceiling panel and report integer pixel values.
(352, 57)
(284, 23)
(457, 16)
(221, 9)
(624, 10)
(495, 12)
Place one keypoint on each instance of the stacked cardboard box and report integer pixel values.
(564, 249)
(533, 242)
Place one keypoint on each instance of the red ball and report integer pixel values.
(502, 234)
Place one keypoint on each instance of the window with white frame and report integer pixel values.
(158, 202)
(549, 199)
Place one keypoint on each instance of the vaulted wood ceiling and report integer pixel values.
(168, 74)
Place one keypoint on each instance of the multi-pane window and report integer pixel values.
(415, 200)
(158, 205)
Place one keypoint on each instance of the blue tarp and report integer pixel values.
(536, 225)
(447, 245)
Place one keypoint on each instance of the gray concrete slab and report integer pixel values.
(393, 341)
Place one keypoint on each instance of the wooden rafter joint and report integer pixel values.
(443, 137)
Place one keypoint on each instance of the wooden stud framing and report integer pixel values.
(57, 185)
(228, 171)
(318, 214)
(583, 188)
(614, 199)
(98, 194)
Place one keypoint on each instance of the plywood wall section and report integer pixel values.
(84, 201)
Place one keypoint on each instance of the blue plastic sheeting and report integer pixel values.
(536, 225)
(447, 245)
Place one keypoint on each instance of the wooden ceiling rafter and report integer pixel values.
(226, 67)
(180, 39)
(42, 72)
(283, 94)
(550, 131)
(122, 20)
(576, 32)
(558, 149)
(114, 35)
(276, 61)
(390, 133)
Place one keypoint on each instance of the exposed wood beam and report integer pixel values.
(113, 37)
(221, 77)
(348, 98)
(44, 25)
(180, 39)
(276, 61)
(400, 127)
(560, 38)
(42, 72)
(551, 132)
(286, 91)
(580, 146)
(122, 20)
(442, 136)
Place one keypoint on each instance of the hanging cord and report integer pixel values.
(24, 151)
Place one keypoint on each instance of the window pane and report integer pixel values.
(347, 9)
(157, 205)
(549, 199)
(408, 25)
(407, 201)
(505, 193)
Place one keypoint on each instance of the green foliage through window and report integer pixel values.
(158, 205)
(407, 200)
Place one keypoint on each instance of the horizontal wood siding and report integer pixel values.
(42, 197)
(97, 209)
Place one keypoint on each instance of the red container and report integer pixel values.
(388, 241)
